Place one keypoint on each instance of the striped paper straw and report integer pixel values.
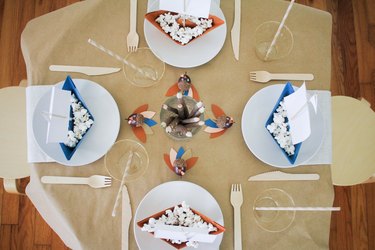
(122, 183)
(279, 29)
(121, 59)
(297, 208)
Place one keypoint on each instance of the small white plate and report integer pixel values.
(260, 142)
(194, 54)
(170, 194)
(98, 139)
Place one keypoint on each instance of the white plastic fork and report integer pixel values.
(264, 76)
(133, 38)
(236, 200)
(94, 181)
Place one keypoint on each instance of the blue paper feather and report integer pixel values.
(149, 122)
(180, 153)
(210, 123)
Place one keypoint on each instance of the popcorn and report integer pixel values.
(81, 122)
(181, 215)
(280, 129)
(168, 23)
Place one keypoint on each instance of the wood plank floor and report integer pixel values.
(353, 74)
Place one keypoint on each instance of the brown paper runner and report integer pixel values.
(61, 38)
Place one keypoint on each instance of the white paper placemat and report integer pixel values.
(324, 155)
(33, 95)
(151, 2)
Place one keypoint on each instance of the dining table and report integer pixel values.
(81, 215)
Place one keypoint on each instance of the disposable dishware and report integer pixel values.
(258, 139)
(144, 72)
(271, 220)
(148, 64)
(133, 37)
(169, 194)
(94, 181)
(116, 161)
(264, 35)
(87, 70)
(264, 76)
(204, 49)
(278, 33)
(281, 176)
(236, 200)
(236, 29)
(126, 172)
(102, 135)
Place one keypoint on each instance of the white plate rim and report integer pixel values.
(172, 185)
(74, 162)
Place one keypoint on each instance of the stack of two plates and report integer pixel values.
(259, 140)
(97, 141)
(196, 53)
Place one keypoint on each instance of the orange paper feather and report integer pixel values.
(168, 162)
(191, 162)
(214, 135)
(217, 110)
(140, 133)
(172, 90)
(140, 109)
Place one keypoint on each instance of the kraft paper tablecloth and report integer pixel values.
(61, 38)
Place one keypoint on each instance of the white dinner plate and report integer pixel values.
(194, 54)
(260, 141)
(170, 194)
(101, 136)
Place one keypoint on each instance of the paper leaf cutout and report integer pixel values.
(217, 110)
(140, 133)
(167, 161)
(172, 90)
(214, 135)
(172, 155)
(191, 162)
(210, 123)
(180, 152)
(188, 153)
(190, 93)
(148, 130)
(148, 114)
(141, 109)
(149, 122)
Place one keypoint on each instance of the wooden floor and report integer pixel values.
(353, 74)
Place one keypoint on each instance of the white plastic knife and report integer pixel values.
(236, 29)
(281, 176)
(90, 71)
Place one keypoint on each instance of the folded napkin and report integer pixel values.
(324, 155)
(33, 95)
